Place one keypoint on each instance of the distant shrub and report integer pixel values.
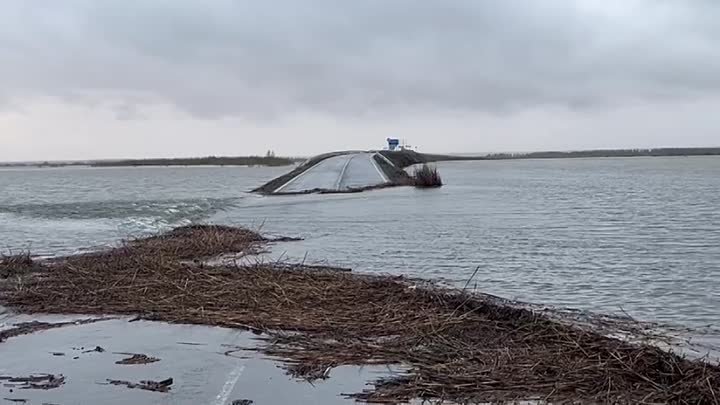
(427, 177)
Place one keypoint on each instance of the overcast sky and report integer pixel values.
(137, 78)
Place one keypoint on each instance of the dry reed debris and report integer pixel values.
(454, 344)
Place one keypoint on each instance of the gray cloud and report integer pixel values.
(244, 58)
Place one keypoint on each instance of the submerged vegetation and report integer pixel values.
(455, 345)
(426, 177)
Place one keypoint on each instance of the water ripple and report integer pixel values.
(595, 234)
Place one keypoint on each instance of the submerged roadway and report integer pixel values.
(338, 173)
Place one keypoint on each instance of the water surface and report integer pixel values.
(641, 234)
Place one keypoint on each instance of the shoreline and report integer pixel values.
(219, 161)
(456, 344)
(406, 158)
(403, 158)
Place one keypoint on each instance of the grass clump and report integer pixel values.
(15, 264)
(427, 177)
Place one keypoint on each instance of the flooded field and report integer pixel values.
(639, 235)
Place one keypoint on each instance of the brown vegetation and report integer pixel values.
(135, 359)
(156, 386)
(15, 264)
(454, 344)
(196, 241)
(427, 177)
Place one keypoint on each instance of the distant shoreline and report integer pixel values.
(271, 161)
(204, 161)
(405, 158)
(656, 152)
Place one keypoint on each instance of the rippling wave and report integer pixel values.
(640, 236)
(127, 218)
(171, 210)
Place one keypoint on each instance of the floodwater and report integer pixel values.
(207, 364)
(634, 235)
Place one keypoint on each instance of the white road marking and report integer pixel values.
(227, 389)
(339, 182)
(386, 159)
(342, 173)
(380, 172)
(277, 190)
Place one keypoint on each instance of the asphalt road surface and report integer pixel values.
(208, 365)
(338, 173)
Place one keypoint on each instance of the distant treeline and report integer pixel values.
(203, 161)
(399, 158)
(44, 164)
(269, 160)
(608, 153)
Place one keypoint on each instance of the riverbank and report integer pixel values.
(455, 345)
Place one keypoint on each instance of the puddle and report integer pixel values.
(193, 356)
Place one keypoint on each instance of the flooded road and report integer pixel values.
(207, 365)
(353, 170)
(635, 235)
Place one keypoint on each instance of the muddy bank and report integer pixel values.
(455, 345)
